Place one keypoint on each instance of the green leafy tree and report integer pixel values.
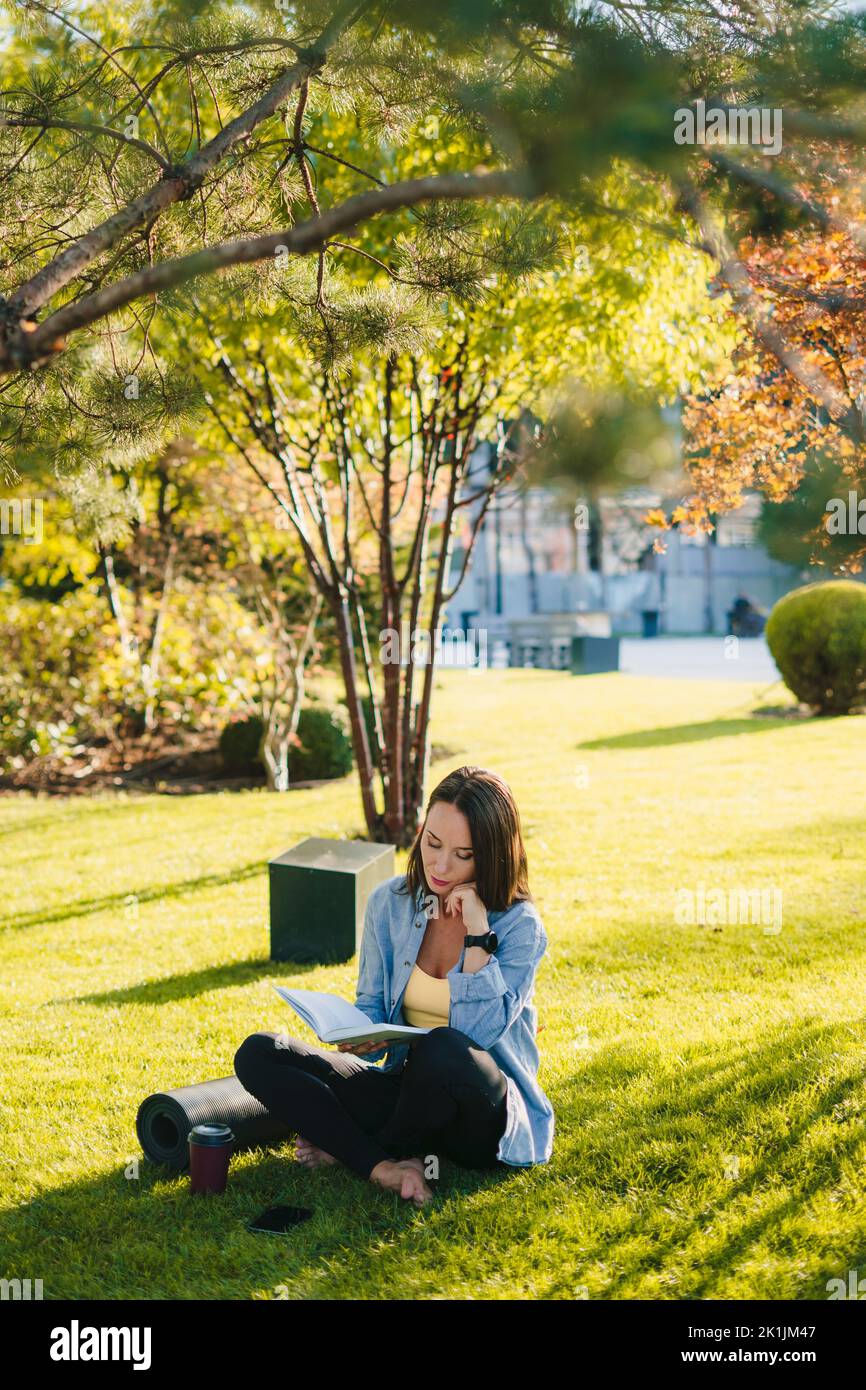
(358, 403)
(266, 569)
(152, 144)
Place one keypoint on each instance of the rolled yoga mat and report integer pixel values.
(165, 1119)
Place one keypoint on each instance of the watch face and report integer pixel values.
(488, 942)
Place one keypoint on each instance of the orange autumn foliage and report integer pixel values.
(759, 426)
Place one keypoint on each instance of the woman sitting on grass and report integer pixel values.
(452, 945)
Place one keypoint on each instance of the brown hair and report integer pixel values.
(501, 873)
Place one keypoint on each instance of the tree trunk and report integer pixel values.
(281, 725)
(275, 756)
(532, 575)
(360, 742)
(447, 431)
(150, 669)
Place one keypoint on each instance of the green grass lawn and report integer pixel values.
(708, 1082)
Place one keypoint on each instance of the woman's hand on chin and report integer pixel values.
(463, 904)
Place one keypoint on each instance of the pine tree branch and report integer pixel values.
(28, 344)
(177, 183)
(109, 55)
(86, 128)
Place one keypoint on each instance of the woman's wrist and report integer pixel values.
(474, 957)
(479, 928)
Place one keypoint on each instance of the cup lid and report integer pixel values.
(210, 1134)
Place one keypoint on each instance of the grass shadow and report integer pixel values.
(137, 1232)
(171, 988)
(659, 1165)
(86, 907)
(689, 733)
(22, 827)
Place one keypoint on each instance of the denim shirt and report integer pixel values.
(493, 1005)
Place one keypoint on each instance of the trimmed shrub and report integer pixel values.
(817, 636)
(239, 745)
(325, 748)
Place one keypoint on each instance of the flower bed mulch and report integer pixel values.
(164, 762)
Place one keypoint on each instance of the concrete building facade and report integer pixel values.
(541, 572)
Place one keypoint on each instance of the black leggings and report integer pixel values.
(449, 1097)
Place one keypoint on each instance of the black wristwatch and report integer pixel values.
(488, 942)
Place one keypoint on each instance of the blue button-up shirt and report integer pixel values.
(493, 1006)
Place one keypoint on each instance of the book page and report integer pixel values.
(393, 1032)
(325, 1013)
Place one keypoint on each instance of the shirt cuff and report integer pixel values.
(486, 983)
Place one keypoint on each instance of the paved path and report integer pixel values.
(699, 658)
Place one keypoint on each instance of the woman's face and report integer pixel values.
(446, 849)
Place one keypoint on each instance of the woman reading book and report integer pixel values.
(452, 945)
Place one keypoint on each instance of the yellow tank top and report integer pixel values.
(427, 1001)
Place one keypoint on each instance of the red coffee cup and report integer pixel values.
(210, 1148)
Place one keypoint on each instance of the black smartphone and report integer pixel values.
(278, 1220)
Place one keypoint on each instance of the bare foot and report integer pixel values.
(405, 1177)
(311, 1156)
(414, 1163)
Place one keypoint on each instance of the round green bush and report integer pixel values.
(325, 748)
(239, 745)
(325, 745)
(817, 637)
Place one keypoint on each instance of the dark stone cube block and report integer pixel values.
(318, 891)
(592, 655)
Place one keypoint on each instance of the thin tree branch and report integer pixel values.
(32, 345)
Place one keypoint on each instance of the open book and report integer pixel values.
(334, 1020)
